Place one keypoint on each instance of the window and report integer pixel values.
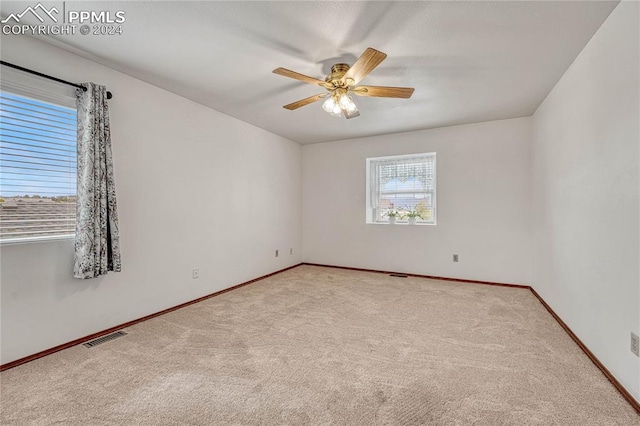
(38, 167)
(404, 185)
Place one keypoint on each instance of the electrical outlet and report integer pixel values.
(635, 344)
(290, 251)
(277, 253)
(455, 257)
(195, 273)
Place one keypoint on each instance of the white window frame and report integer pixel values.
(371, 214)
(21, 84)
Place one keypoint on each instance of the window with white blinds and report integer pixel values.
(37, 168)
(402, 186)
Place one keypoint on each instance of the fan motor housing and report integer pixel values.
(337, 72)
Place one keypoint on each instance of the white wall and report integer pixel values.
(195, 187)
(483, 201)
(585, 192)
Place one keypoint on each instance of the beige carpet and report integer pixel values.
(327, 346)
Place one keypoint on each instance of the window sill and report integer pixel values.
(29, 240)
(401, 224)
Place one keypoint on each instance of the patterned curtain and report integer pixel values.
(419, 168)
(97, 248)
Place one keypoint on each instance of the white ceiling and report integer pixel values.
(468, 61)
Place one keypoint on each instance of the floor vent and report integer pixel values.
(103, 339)
(398, 275)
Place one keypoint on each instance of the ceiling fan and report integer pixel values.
(342, 82)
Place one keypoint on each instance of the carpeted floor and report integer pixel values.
(319, 345)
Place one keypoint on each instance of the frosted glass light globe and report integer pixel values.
(329, 105)
(352, 107)
(344, 102)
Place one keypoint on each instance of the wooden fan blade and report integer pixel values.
(384, 91)
(366, 63)
(292, 74)
(348, 115)
(305, 101)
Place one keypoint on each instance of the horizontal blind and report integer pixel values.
(38, 169)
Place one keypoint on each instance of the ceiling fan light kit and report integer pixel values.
(339, 103)
(342, 81)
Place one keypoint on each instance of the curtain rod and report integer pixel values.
(39, 74)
